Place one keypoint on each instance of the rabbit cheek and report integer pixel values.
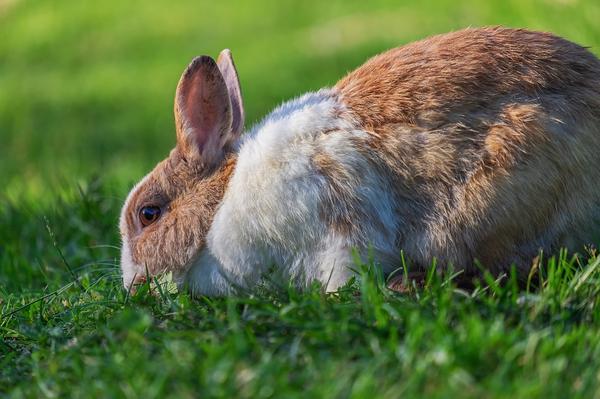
(142, 256)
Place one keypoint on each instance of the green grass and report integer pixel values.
(85, 109)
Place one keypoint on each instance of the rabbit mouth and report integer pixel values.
(135, 275)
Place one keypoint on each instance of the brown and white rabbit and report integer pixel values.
(480, 144)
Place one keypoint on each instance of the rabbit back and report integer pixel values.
(489, 138)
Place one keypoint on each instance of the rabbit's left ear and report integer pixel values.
(227, 68)
(203, 112)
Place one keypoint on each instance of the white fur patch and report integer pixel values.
(270, 212)
(205, 277)
(127, 266)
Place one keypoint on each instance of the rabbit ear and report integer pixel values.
(227, 67)
(203, 111)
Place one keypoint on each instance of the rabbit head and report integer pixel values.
(167, 215)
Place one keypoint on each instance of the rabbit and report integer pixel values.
(476, 147)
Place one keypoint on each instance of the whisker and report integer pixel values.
(105, 246)
(98, 263)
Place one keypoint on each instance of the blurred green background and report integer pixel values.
(86, 87)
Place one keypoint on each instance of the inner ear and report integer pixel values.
(203, 111)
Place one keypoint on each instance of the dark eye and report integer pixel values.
(149, 215)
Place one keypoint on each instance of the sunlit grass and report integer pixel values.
(86, 336)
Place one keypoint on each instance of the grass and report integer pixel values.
(85, 109)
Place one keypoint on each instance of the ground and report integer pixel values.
(86, 108)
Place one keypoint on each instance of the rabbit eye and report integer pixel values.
(149, 215)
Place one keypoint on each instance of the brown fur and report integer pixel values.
(190, 184)
(189, 196)
(489, 137)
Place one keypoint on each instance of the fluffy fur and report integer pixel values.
(474, 145)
